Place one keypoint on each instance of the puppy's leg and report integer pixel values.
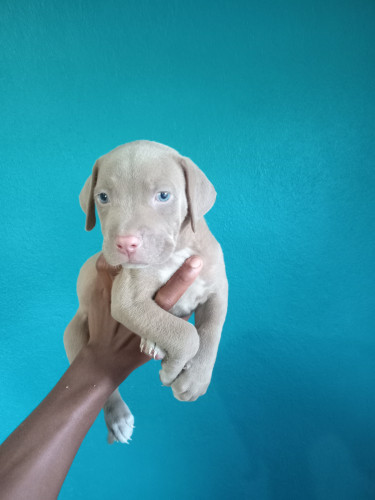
(118, 418)
(178, 339)
(195, 378)
(132, 306)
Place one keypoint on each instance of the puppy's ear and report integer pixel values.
(86, 198)
(200, 192)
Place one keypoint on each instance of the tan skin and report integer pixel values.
(36, 457)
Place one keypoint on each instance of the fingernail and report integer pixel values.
(195, 262)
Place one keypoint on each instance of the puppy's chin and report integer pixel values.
(131, 265)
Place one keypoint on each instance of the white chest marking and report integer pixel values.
(174, 263)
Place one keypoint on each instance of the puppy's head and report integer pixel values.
(143, 192)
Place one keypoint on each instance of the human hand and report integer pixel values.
(116, 348)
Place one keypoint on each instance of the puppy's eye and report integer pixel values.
(103, 198)
(163, 196)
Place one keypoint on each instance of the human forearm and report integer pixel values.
(35, 458)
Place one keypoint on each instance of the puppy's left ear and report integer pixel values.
(86, 198)
(200, 192)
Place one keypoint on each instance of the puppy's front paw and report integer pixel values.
(191, 383)
(119, 421)
(171, 368)
(166, 377)
(151, 349)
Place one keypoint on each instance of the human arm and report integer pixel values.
(36, 457)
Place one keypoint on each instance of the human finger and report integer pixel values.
(177, 285)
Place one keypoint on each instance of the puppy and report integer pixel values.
(151, 201)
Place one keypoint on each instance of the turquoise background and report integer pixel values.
(275, 101)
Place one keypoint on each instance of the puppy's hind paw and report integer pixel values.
(119, 421)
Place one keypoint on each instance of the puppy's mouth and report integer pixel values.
(130, 255)
(132, 259)
(129, 259)
(153, 253)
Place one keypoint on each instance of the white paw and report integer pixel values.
(151, 349)
(119, 421)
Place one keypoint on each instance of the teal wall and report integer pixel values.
(275, 101)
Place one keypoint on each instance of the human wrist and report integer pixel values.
(106, 365)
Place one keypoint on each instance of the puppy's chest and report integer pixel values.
(196, 294)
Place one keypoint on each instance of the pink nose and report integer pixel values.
(128, 244)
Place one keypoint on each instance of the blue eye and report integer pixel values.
(163, 196)
(103, 198)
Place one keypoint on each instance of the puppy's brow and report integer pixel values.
(161, 184)
(109, 183)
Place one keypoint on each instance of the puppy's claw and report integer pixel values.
(151, 349)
